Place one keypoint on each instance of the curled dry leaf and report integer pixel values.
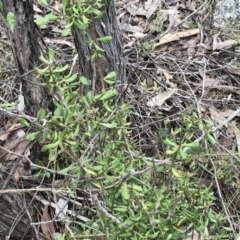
(167, 76)
(207, 80)
(152, 6)
(36, 8)
(62, 207)
(218, 45)
(160, 98)
(14, 146)
(4, 133)
(136, 10)
(170, 37)
(22, 169)
(47, 228)
(130, 28)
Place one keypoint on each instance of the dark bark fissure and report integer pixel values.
(26, 49)
(14, 220)
(112, 60)
(16, 211)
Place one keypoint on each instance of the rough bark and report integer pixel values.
(26, 49)
(15, 208)
(112, 60)
(14, 220)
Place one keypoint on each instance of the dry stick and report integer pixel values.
(220, 195)
(34, 227)
(203, 91)
(45, 202)
(103, 210)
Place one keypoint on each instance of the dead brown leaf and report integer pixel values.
(136, 10)
(160, 98)
(14, 146)
(228, 113)
(168, 77)
(218, 45)
(170, 37)
(151, 6)
(207, 80)
(191, 5)
(22, 169)
(7, 130)
(36, 8)
(130, 28)
(47, 228)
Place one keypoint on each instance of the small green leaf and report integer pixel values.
(66, 170)
(61, 69)
(52, 156)
(181, 154)
(106, 39)
(124, 191)
(50, 146)
(109, 81)
(43, 2)
(109, 94)
(68, 25)
(110, 75)
(70, 78)
(40, 114)
(11, 20)
(200, 126)
(32, 136)
(84, 19)
(81, 26)
(23, 121)
(191, 145)
(169, 142)
(64, 3)
(176, 173)
(137, 188)
(98, 14)
(109, 125)
(68, 117)
(84, 81)
(43, 70)
(66, 32)
(51, 55)
(210, 138)
(177, 130)
(89, 171)
(110, 179)
(121, 210)
(189, 136)
(43, 59)
(42, 21)
(152, 236)
(96, 168)
(53, 17)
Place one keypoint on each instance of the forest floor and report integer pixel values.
(183, 58)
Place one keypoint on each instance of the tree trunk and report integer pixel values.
(112, 59)
(15, 208)
(25, 41)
